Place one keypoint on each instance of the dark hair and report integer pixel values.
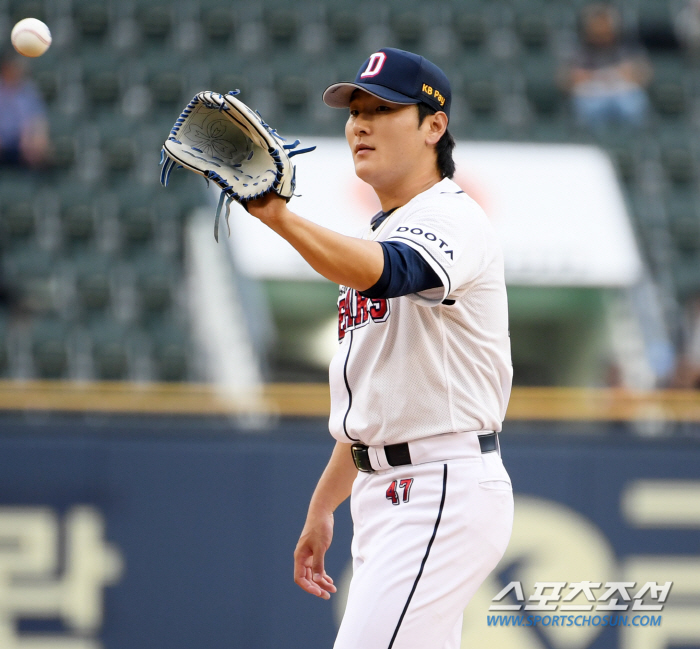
(445, 163)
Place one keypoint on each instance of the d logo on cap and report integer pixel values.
(374, 65)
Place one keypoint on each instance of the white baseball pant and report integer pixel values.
(425, 538)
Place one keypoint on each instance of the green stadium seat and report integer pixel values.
(533, 30)
(119, 154)
(218, 23)
(50, 359)
(344, 26)
(545, 96)
(686, 273)
(684, 218)
(282, 24)
(20, 9)
(4, 364)
(409, 28)
(138, 226)
(49, 349)
(29, 274)
(625, 163)
(18, 220)
(110, 350)
(293, 92)
(225, 80)
(669, 88)
(110, 361)
(103, 87)
(63, 152)
(91, 19)
(171, 354)
(155, 21)
(669, 98)
(471, 28)
(482, 96)
(171, 362)
(94, 292)
(48, 84)
(679, 164)
(168, 90)
(78, 223)
(155, 293)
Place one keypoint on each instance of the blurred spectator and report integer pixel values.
(607, 75)
(687, 24)
(23, 128)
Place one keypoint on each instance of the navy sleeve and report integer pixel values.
(405, 272)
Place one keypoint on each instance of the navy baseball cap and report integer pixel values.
(397, 76)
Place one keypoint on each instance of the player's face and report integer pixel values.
(385, 139)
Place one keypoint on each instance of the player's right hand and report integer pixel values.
(309, 571)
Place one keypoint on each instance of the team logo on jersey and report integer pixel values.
(355, 310)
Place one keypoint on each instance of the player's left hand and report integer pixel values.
(267, 208)
(309, 571)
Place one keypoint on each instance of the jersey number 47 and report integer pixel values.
(392, 493)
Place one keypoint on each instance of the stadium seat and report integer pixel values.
(684, 218)
(110, 361)
(225, 80)
(171, 362)
(545, 96)
(218, 24)
(686, 273)
(668, 90)
(409, 27)
(293, 92)
(110, 349)
(94, 292)
(281, 23)
(48, 83)
(171, 352)
(103, 87)
(138, 227)
(625, 163)
(155, 21)
(18, 220)
(669, 98)
(29, 271)
(91, 19)
(533, 30)
(482, 96)
(155, 294)
(50, 357)
(20, 9)
(344, 25)
(119, 155)
(50, 348)
(470, 28)
(78, 223)
(3, 354)
(168, 90)
(679, 165)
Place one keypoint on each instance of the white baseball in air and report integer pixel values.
(31, 37)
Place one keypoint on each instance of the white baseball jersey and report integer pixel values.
(432, 362)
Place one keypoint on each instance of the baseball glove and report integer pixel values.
(220, 138)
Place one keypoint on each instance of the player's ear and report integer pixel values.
(437, 125)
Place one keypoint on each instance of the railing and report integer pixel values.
(313, 400)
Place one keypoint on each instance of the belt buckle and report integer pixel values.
(360, 456)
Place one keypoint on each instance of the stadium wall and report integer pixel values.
(178, 532)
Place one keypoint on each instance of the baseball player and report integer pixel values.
(422, 376)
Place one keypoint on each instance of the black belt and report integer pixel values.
(400, 455)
